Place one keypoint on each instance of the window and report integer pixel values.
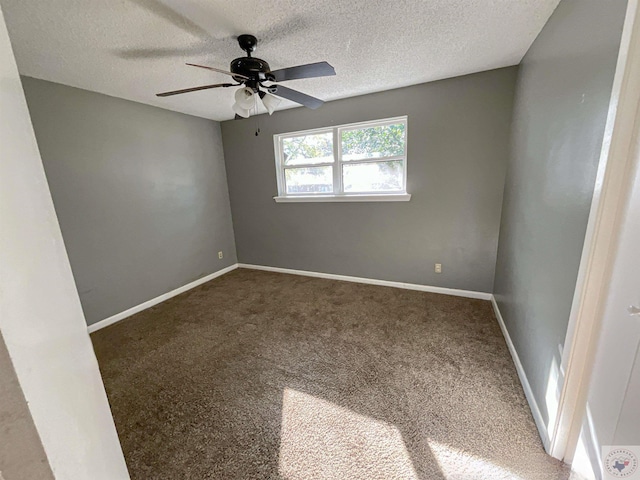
(356, 162)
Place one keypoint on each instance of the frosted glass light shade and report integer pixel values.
(243, 112)
(270, 102)
(245, 98)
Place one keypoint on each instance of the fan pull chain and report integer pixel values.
(255, 105)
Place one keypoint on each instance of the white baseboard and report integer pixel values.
(373, 281)
(154, 301)
(533, 405)
(409, 286)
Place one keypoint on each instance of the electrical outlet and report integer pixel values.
(220, 255)
(438, 268)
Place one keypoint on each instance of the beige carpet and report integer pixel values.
(259, 375)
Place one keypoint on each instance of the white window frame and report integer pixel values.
(338, 194)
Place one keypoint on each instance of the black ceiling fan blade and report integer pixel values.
(158, 8)
(219, 70)
(311, 70)
(193, 89)
(163, 52)
(296, 96)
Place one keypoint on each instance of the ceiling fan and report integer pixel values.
(252, 73)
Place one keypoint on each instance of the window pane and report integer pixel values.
(309, 180)
(373, 177)
(317, 148)
(373, 142)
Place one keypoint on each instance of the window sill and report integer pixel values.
(390, 197)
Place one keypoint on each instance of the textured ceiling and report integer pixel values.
(135, 48)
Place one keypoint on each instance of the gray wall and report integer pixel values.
(140, 193)
(458, 134)
(21, 454)
(562, 97)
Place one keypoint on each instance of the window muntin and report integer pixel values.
(354, 159)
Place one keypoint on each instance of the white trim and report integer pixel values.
(337, 168)
(587, 463)
(533, 405)
(610, 195)
(389, 197)
(277, 154)
(392, 158)
(154, 301)
(372, 281)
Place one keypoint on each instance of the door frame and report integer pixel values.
(619, 156)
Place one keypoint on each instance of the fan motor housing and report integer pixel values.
(254, 68)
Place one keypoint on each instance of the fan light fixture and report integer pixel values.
(246, 100)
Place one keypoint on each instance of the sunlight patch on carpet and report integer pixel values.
(320, 439)
(458, 465)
